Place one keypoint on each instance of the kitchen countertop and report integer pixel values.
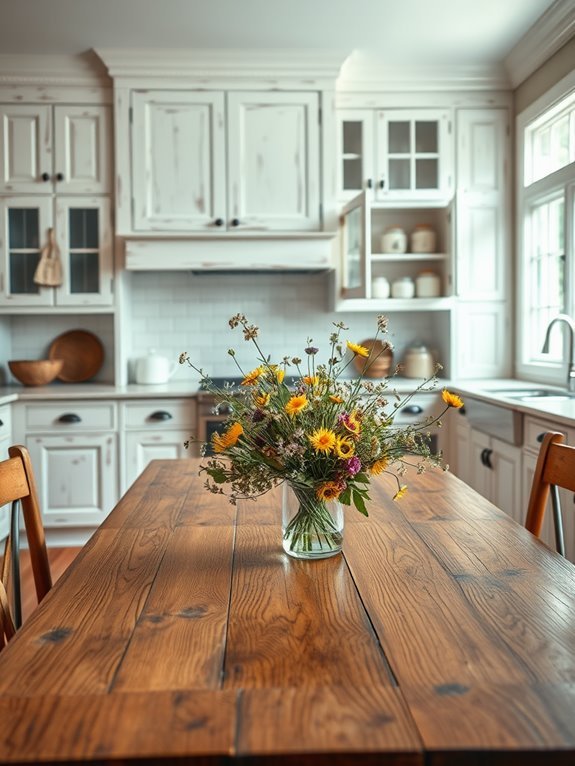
(560, 411)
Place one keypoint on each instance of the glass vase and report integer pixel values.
(311, 528)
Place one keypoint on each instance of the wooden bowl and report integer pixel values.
(379, 362)
(38, 372)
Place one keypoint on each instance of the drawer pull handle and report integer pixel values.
(412, 409)
(70, 417)
(541, 437)
(1, 423)
(161, 415)
(462, 410)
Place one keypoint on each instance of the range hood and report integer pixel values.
(238, 252)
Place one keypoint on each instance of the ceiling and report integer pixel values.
(443, 32)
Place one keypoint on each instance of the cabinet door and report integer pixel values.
(504, 462)
(355, 151)
(82, 149)
(273, 161)
(24, 230)
(76, 476)
(25, 149)
(460, 447)
(144, 446)
(413, 155)
(482, 204)
(178, 161)
(355, 240)
(84, 236)
(481, 334)
(479, 473)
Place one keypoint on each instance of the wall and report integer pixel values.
(553, 70)
(175, 312)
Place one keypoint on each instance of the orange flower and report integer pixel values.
(379, 466)
(296, 404)
(452, 400)
(251, 377)
(329, 490)
(322, 440)
(262, 400)
(352, 423)
(335, 399)
(311, 380)
(228, 439)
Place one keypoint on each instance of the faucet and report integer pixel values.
(545, 350)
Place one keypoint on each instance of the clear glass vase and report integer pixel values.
(311, 528)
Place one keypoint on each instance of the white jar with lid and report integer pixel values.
(427, 285)
(380, 288)
(403, 288)
(423, 239)
(394, 240)
(418, 362)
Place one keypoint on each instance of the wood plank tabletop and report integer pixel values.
(182, 633)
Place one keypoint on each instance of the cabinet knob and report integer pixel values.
(235, 221)
(369, 183)
(161, 415)
(541, 437)
(70, 417)
(462, 410)
(45, 177)
(382, 184)
(59, 176)
(412, 409)
(219, 222)
(1, 423)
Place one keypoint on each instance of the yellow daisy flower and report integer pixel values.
(352, 424)
(452, 400)
(296, 404)
(379, 466)
(311, 380)
(329, 490)
(357, 349)
(344, 446)
(280, 375)
(251, 377)
(400, 492)
(335, 399)
(323, 440)
(262, 400)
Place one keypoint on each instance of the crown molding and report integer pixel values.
(309, 67)
(83, 70)
(555, 28)
(364, 72)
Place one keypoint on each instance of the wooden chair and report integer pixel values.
(555, 468)
(18, 487)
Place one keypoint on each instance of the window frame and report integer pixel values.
(540, 370)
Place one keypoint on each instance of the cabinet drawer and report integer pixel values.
(534, 428)
(72, 415)
(160, 414)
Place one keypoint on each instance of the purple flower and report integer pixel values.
(353, 465)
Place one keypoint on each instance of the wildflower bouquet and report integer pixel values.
(304, 424)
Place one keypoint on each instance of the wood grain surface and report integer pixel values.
(183, 633)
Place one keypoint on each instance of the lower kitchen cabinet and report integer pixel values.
(74, 451)
(5, 442)
(495, 472)
(155, 429)
(534, 431)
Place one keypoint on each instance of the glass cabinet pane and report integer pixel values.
(426, 137)
(426, 174)
(399, 141)
(399, 174)
(84, 255)
(352, 276)
(24, 250)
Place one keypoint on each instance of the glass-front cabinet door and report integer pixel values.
(413, 155)
(85, 234)
(79, 235)
(355, 234)
(356, 152)
(24, 228)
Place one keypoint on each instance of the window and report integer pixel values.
(546, 216)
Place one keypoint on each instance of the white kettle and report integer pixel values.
(153, 369)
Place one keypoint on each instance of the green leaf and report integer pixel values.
(345, 496)
(361, 477)
(218, 475)
(359, 503)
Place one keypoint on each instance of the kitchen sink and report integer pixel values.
(529, 394)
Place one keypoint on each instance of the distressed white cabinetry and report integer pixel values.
(495, 472)
(79, 227)
(534, 431)
(73, 448)
(62, 148)
(401, 155)
(5, 442)
(483, 244)
(225, 161)
(155, 429)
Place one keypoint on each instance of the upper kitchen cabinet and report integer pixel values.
(403, 155)
(213, 161)
(74, 231)
(63, 149)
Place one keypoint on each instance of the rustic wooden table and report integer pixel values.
(183, 633)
